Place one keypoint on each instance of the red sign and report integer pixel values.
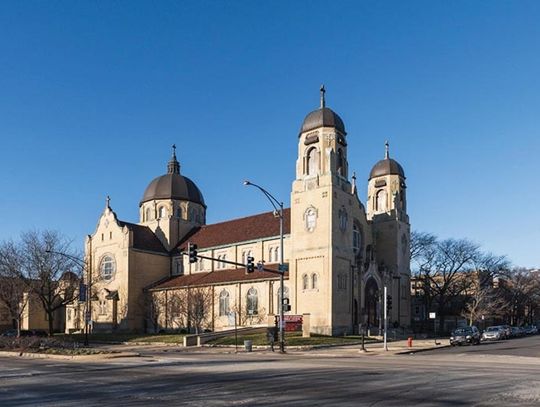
(292, 323)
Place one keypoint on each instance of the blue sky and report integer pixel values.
(93, 94)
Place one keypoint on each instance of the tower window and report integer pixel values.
(179, 212)
(147, 214)
(314, 281)
(380, 201)
(312, 164)
(340, 170)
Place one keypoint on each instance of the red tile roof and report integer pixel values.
(239, 230)
(217, 277)
(144, 238)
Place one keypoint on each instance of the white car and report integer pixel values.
(493, 333)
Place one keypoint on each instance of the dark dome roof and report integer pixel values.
(323, 117)
(386, 167)
(173, 186)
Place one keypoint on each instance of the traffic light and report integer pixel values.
(250, 267)
(389, 302)
(286, 305)
(192, 248)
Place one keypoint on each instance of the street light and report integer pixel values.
(278, 212)
(84, 267)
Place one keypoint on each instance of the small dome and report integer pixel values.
(324, 117)
(173, 186)
(386, 167)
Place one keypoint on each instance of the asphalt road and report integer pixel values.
(336, 377)
(525, 346)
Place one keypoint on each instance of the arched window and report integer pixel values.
(305, 282)
(357, 239)
(252, 303)
(340, 162)
(314, 281)
(162, 212)
(148, 214)
(107, 268)
(270, 252)
(312, 161)
(380, 201)
(224, 303)
(277, 253)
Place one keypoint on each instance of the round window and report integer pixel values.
(107, 268)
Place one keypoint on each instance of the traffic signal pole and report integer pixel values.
(385, 296)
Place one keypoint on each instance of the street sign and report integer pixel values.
(283, 267)
(260, 266)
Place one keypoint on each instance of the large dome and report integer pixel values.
(322, 117)
(173, 186)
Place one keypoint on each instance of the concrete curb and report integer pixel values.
(36, 355)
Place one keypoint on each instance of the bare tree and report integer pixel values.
(194, 306)
(49, 271)
(421, 242)
(521, 290)
(483, 298)
(12, 289)
(443, 267)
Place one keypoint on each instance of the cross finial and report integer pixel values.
(174, 150)
(386, 150)
(323, 101)
(108, 202)
(353, 187)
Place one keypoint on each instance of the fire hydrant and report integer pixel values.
(409, 341)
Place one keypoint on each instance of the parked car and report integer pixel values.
(531, 330)
(466, 335)
(517, 332)
(493, 333)
(507, 331)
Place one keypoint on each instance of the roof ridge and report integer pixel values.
(242, 218)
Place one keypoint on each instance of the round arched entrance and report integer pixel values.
(372, 302)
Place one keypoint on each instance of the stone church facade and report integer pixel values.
(340, 252)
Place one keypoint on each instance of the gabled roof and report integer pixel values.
(239, 230)
(144, 238)
(217, 277)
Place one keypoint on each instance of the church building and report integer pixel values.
(340, 251)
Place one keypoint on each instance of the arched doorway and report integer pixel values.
(372, 302)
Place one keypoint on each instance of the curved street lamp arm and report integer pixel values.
(270, 197)
(80, 262)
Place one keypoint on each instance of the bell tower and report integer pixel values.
(387, 209)
(321, 222)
